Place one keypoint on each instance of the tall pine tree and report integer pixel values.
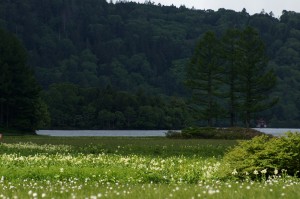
(19, 91)
(255, 80)
(231, 56)
(204, 78)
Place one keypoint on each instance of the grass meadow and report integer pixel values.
(122, 167)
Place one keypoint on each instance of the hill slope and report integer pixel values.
(134, 47)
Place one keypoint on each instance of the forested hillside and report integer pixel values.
(105, 65)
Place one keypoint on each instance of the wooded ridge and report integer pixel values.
(103, 65)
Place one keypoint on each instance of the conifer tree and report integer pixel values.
(255, 79)
(204, 77)
(231, 56)
(19, 91)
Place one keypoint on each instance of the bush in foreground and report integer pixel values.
(232, 133)
(264, 156)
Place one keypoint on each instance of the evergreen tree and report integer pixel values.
(19, 91)
(255, 80)
(231, 56)
(204, 77)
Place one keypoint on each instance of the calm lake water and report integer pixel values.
(138, 133)
(276, 131)
(114, 133)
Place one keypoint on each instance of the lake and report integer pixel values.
(276, 131)
(138, 133)
(114, 133)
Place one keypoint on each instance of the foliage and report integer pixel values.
(124, 146)
(133, 46)
(204, 76)
(52, 170)
(233, 133)
(230, 56)
(19, 91)
(130, 169)
(255, 81)
(277, 155)
(90, 108)
(239, 68)
(133, 161)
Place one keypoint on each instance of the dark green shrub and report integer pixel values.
(174, 134)
(202, 133)
(232, 133)
(264, 154)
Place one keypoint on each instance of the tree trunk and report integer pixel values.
(1, 114)
(247, 119)
(210, 100)
(7, 116)
(232, 98)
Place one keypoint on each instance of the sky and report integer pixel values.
(252, 6)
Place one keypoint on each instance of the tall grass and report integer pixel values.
(121, 145)
(47, 167)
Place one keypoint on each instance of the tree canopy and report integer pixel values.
(129, 46)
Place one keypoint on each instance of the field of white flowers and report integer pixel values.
(29, 170)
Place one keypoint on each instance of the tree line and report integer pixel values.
(92, 108)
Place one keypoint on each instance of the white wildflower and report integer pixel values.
(264, 171)
(210, 192)
(234, 172)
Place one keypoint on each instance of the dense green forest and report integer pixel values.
(122, 66)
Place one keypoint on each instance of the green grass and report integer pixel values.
(92, 189)
(151, 146)
(107, 167)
